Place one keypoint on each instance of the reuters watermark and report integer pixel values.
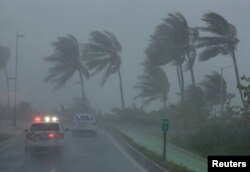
(229, 163)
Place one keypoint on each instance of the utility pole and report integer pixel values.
(14, 113)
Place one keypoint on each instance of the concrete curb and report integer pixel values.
(189, 153)
(147, 163)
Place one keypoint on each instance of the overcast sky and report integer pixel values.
(132, 21)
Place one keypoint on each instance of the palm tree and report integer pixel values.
(173, 41)
(4, 57)
(214, 87)
(153, 85)
(67, 61)
(191, 52)
(223, 41)
(104, 54)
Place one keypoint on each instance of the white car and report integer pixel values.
(84, 123)
(45, 133)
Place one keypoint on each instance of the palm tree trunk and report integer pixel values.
(8, 88)
(182, 84)
(238, 78)
(85, 108)
(178, 76)
(181, 81)
(121, 89)
(191, 71)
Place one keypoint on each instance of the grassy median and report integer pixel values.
(171, 166)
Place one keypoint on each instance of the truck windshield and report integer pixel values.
(85, 117)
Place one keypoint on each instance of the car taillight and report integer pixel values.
(51, 135)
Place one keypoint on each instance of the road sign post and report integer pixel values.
(164, 129)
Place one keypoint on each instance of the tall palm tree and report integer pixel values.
(173, 41)
(4, 57)
(104, 54)
(223, 41)
(153, 85)
(67, 61)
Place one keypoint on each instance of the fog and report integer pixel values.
(132, 21)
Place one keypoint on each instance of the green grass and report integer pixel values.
(171, 166)
(154, 143)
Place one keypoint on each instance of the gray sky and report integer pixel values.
(132, 21)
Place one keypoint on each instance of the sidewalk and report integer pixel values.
(149, 137)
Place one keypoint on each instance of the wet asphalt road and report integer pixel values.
(84, 154)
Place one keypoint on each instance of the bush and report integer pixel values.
(221, 138)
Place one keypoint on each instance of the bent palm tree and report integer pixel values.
(67, 61)
(104, 54)
(223, 41)
(153, 85)
(4, 57)
(173, 41)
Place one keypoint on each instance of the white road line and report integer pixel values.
(125, 153)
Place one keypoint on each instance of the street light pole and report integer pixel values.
(14, 113)
(221, 88)
(221, 92)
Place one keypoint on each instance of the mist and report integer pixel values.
(131, 21)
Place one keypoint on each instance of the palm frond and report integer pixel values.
(104, 53)
(224, 39)
(67, 46)
(102, 40)
(153, 84)
(211, 41)
(215, 24)
(171, 41)
(213, 85)
(56, 71)
(66, 61)
(99, 68)
(115, 42)
(96, 62)
(96, 50)
(210, 52)
(61, 79)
